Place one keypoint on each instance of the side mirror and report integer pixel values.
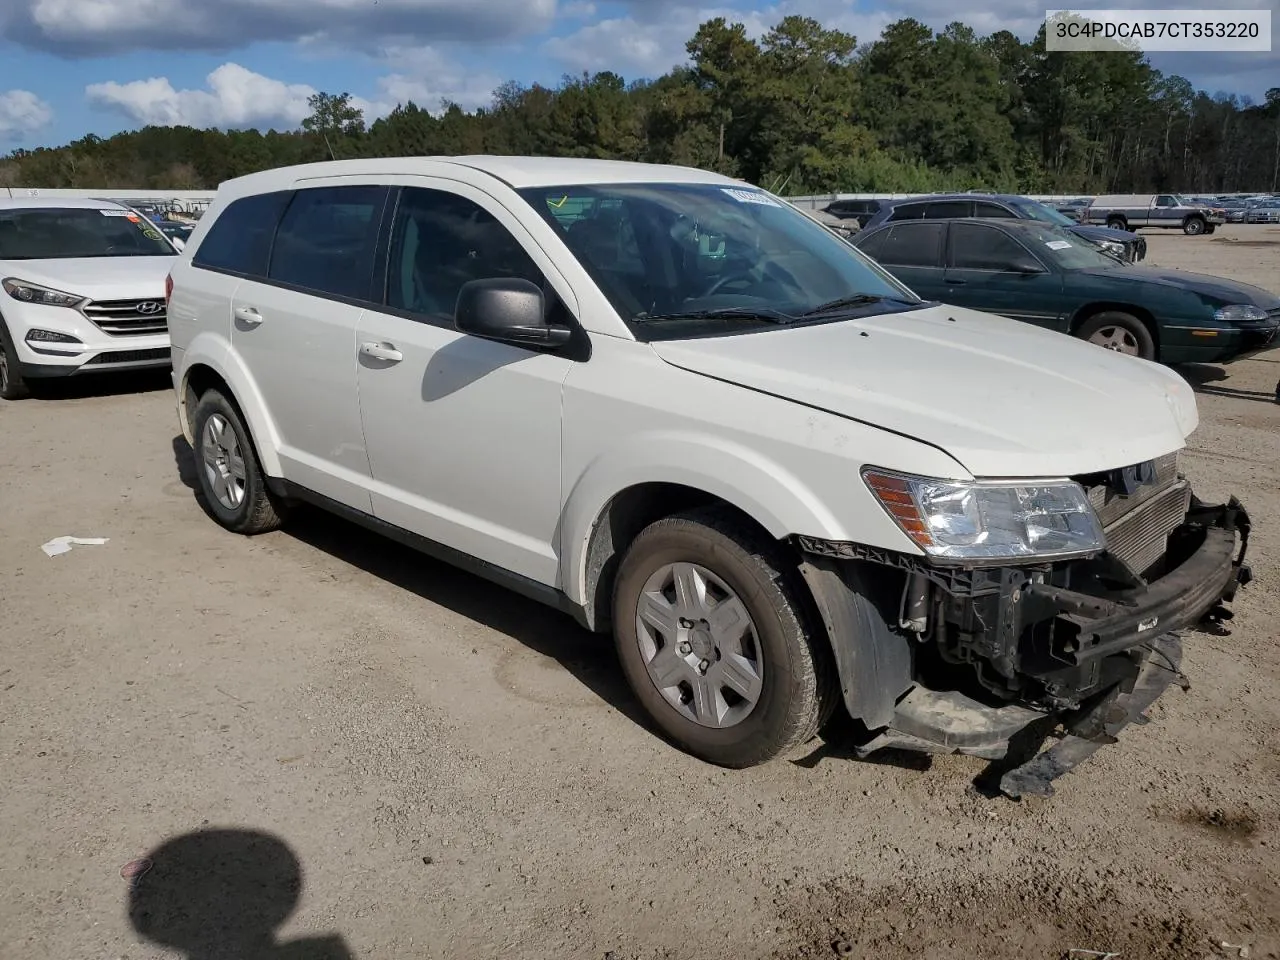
(509, 310)
(179, 242)
(1026, 267)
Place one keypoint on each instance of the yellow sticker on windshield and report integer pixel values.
(151, 234)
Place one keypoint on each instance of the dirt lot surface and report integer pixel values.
(432, 767)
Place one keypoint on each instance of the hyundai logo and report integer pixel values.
(150, 306)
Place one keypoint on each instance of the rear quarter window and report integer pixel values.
(239, 241)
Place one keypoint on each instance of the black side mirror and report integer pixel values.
(507, 309)
(1026, 267)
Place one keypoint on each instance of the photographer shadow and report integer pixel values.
(221, 895)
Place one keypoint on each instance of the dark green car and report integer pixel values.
(1038, 273)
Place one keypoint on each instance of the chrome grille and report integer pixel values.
(1140, 536)
(128, 317)
(1111, 506)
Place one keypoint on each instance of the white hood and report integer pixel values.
(1004, 398)
(99, 278)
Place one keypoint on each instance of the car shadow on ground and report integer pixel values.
(100, 385)
(1204, 378)
(588, 657)
(220, 894)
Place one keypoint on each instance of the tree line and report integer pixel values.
(803, 109)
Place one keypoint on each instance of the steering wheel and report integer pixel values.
(719, 282)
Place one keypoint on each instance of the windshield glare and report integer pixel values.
(1067, 250)
(66, 233)
(658, 250)
(1038, 211)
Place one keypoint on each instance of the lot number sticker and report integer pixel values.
(1058, 245)
(750, 196)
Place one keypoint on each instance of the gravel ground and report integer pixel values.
(389, 758)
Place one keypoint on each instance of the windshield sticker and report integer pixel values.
(1057, 245)
(115, 213)
(751, 196)
(151, 234)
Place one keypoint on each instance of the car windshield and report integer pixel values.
(1035, 210)
(1067, 250)
(689, 255)
(64, 233)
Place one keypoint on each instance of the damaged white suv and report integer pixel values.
(684, 412)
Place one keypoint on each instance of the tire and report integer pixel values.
(1209, 228)
(1193, 226)
(1117, 223)
(789, 670)
(232, 486)
(1122, 329)
(12, 384)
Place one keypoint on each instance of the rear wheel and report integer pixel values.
(231, 480)
(1121, 332)
(714, 639)
(1193, 226)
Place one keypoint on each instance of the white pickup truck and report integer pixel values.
(1167, 210)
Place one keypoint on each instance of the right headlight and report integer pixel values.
(34, 293)
(1240, 313)
(986, 520)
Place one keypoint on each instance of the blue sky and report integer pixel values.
(71, 67)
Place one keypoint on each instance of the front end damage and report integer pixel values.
(971, 658)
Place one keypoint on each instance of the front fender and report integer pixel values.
(212, 350)
(765, 490)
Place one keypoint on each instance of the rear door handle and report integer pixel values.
(956, 283)
(382, 351)
(248, 315)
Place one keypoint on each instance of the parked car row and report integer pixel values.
(699, 420)
(1115, 242)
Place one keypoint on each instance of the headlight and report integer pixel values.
(1113, 247)
(34, 293)
(1239, 313)
(990, 520)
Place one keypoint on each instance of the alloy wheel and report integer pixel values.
(223, 461)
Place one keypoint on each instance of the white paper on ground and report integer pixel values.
(60, 545)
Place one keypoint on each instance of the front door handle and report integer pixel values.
(956, 283)
(382, 351)
(248, 315)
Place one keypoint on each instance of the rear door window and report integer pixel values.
(909, 245)
(948, 209)
(240, 239)
(907, 211)
(327, 240)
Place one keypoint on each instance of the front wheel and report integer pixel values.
(231, 480)
(1193, 226)
(1121, 332)
(1117, 223)
(714, 639)
(12, 384)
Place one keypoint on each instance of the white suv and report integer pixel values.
(681, 410)
(83, 290)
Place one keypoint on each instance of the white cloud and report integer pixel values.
(428, 77)
(77, 27)
(22, 113)
(235, 98)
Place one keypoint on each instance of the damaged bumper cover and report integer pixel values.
(1087, 648)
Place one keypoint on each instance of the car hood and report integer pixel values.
(1213, 288)
(99, 278)
(1002, 397)
(1102, 233)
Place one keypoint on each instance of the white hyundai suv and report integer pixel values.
(682, 411)
(83, 290)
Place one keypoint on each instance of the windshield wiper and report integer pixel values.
(767, 314)
(857, 300)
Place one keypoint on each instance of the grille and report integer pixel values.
(130, 356)
(128, 317)
(1141, 536)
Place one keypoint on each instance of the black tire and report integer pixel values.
(1193, 226)
(1117, 223)
(1131, 326)
(798, 685)
(258, 510)
(1210, 228)
(12, 384)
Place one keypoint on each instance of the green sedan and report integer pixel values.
(1043, 275)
